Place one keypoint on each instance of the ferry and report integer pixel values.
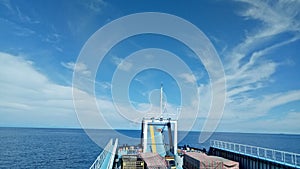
(157, 152)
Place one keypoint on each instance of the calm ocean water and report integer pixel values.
(72, 148)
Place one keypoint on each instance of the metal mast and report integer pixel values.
(161, 100)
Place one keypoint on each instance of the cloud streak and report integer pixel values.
(122, 64)
(248, 68)
(30, 99)
(95, 5)
(276, 18)
(81, 68)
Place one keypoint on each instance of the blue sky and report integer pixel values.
(257, 42)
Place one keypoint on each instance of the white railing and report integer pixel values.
(112, 157)
(100, 159)
(286, 158)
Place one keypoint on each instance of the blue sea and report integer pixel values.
(72, 148)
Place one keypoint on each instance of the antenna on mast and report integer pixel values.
(161, 99)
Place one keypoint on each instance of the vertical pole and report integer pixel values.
(170, 137)
(175, 137)
(142, 134)
(161, 99)
(145, 136)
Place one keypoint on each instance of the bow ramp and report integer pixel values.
(153, 138)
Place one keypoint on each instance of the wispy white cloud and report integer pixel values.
(24, 18)
(95, 5)
(276, 99)
(17, 12)
(276, 17)
(17, 29)
(6, 3)
(248, 69)
(249, 108)
(22, 22)
(188, 78)
(140, 80)
(53, 38)
(79, 24)
(30, 99)
(122, 63)
(80, 68)
(105, 85)
(288, 123)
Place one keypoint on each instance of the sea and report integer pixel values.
(73, 148)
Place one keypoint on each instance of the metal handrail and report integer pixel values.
(111, 160)
(100, 159)
(283, 157)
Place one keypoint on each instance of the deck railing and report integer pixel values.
(100, 159)
(277, 156)
(112, 157)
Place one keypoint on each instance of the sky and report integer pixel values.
(45, 81)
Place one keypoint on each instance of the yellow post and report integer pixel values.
(152, 138)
